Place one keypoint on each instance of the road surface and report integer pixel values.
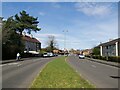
(21, 74)
(101, 75)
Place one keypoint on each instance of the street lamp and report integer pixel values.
(65, 40)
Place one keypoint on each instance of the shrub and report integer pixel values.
(114, 58)
(109, 58)
(88, 56)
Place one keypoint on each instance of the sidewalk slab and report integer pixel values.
(12, 60)
(105, 62)
(9, 61)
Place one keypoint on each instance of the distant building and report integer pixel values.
(111, 48)
(61, 52)
(32, 45)
(86, 51)
(56, 51)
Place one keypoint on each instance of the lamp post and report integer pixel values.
(65, 40)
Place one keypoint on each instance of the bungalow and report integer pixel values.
(86, 52)
(111, 48)
(32, 45)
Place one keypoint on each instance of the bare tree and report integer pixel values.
(51, 43)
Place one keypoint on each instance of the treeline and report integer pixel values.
(12, 30)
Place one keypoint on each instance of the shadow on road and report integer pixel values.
(115, 77)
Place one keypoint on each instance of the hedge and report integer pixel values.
(109, 58)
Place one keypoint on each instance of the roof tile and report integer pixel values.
(28, 38)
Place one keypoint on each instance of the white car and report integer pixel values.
(50, 54)
(81, 56)
(45, 55)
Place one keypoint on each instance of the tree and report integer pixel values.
(51, 44)
(8, 28)
(96, 51)
(71, 50)
(1, 19)
(11, 41)
(1, 35)
(26, 22)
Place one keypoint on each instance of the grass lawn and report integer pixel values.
(58, 74)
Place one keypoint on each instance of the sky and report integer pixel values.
(84, 24)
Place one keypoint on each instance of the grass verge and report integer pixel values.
(58, 74)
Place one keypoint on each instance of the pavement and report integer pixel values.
(14, 60)
(115, 64)
(98, 74)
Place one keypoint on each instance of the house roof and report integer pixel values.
(110, 42)
(86, 50)
(30, 39)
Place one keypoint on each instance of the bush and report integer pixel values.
(114, 59)
(88, 56)
(109, 58)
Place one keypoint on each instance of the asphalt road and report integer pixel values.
(21, 74)
(101, 75)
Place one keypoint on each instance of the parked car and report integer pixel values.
(81, 56)
(45, 55)
(50, 54)
(55, 54)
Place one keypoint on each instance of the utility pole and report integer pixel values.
(65, 40)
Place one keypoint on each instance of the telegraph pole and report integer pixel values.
(65, 40)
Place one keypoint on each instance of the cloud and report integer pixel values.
(43, 38)
(48, 34)
(102, 32)
(94, 8)
(70, 40)
(60, 0)
(41, 13)
(90, 33)
(56, 5)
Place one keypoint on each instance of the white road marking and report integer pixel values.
(93, 66)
